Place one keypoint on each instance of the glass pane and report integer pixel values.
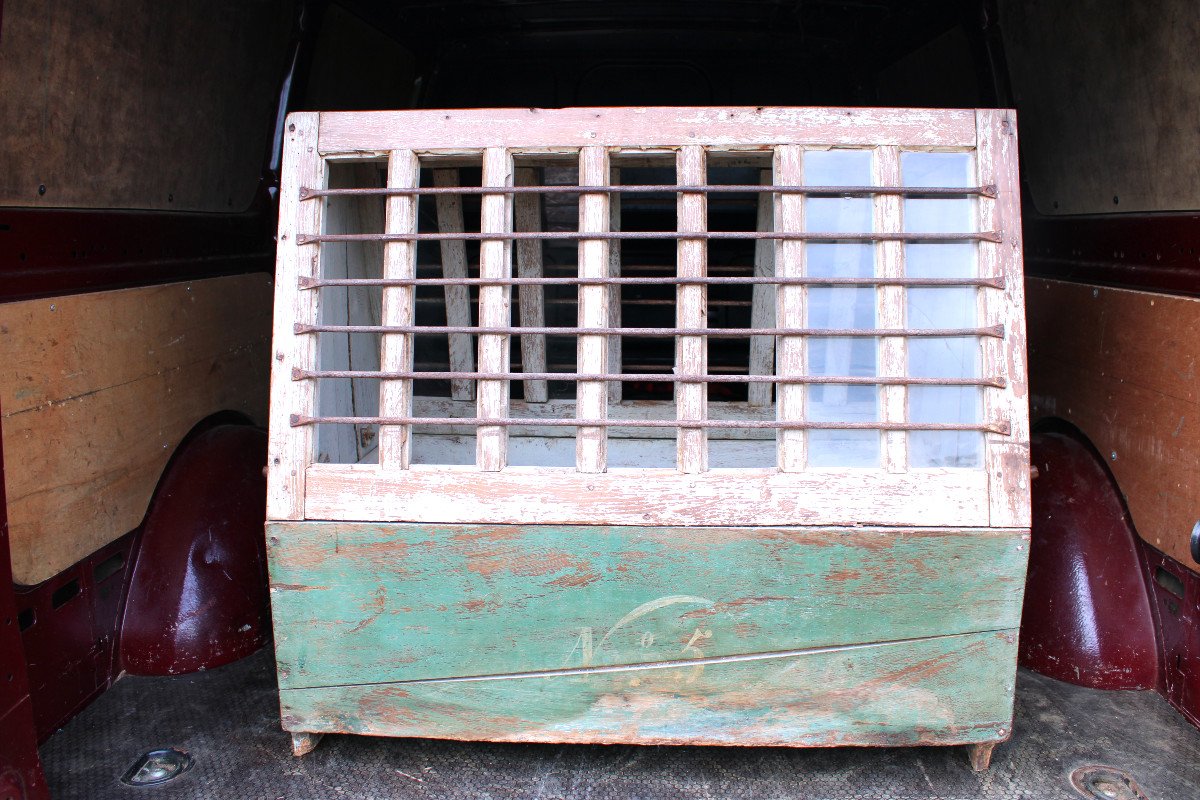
(956, 357)
(942, 260)
(841, 307)
(838, 168)
(944, 448)
(937, 169)
(950, 307)
(938, 215)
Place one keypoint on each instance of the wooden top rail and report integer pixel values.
(638, 130)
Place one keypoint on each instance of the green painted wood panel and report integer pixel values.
(944, 690)
(367, 603)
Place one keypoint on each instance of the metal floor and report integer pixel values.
(227, 719)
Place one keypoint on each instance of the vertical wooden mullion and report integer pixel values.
(1006, 457)
(527, 214)
(615, 388)
(495, 261)
(290, 449)
(762, 304)
(591, 444)
(691, 352)
(395, 355)
(790, 312)
(458, 298)
(890, 309)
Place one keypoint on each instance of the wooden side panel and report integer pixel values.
(98, 389)
(361, 603)
(943, 690)
(1006, 458)
(1122, 367)
(289, 450)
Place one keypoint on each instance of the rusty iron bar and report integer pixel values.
(1002, 428)
(749, 188)
(317, 283)
(994, 331)
(646, 377)
(807, 236)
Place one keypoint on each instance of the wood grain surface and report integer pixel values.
(944, 690)
(1122, 367)
(360, 603)
(98, 389)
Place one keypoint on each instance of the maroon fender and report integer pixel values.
(1087, 617)
(197, 596)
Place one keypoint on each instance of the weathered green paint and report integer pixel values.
(358, 603)
(944, 690)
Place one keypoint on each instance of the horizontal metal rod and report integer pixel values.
(994, 331)
(807, 236)
(513, 422)
(708, 188)
(647, 377)
(317, 283)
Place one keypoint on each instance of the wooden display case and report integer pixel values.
(758, 475)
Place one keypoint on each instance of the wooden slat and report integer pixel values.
(632, 497)
(527, 216)
(509, 599)
(942, 690)
(691, 352)
(495, 261)
(565, 409)
(1006, 458)
(790, 309)
(565, 130)
(762, 308)
(592, 443)
(458, 298)
(890, 305)
(290, 449)
(399, 261)
(615, 388)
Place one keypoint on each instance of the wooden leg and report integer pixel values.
(304, 743)
(981, 756)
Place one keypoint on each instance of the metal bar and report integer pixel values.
(991, 283)
(1001, 428)
(649, 377)
(996, 331)
(574, 236)
(851, 191)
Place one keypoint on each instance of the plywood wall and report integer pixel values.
(96, 391)
(1122, 367)
(136, 104)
